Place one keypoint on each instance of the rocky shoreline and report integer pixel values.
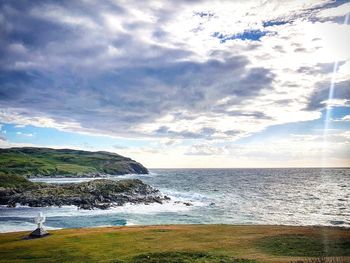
(100, 193)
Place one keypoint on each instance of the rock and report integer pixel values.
(101, 194)
(11, 205)
(39, 232)
(85, 206)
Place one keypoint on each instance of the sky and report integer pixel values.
(179, 83)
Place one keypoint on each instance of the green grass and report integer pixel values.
(12, 181)
(64, 162)
(174, 243)
(321, 260)
(303, 245)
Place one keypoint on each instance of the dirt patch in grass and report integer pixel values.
(160, 230)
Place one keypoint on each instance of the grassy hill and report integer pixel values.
(32, 162)
(180, 244)
(14, 181)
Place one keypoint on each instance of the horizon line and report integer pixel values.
(284, 167)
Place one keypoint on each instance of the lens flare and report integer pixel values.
(327, 121)
(328, 114)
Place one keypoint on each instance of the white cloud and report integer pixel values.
(25, 134)
(63, 15)
(345, 118)
(340, 10)
(336, 103)
(17, 48)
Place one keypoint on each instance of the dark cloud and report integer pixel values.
(2, 137)
(165, 131)
(321, 93)
(320, 68)
(274, 23)
(118, 99)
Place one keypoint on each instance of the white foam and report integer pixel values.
(65, 180)
(153, 208)
(66, 211)
(129, 223)
(194, 198)
(133, 176)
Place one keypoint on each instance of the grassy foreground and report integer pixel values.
(178, 243)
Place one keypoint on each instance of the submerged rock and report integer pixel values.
(101, 194)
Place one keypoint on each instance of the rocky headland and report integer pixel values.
(101, 193)
(40, 162)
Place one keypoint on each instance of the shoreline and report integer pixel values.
(185, 225)
(174, 225)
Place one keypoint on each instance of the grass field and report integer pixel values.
(178, 243)
(32, 162)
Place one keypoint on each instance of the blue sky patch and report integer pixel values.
(253, 35)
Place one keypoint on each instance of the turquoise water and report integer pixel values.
(230, 196)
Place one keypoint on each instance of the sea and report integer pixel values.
(288, 196)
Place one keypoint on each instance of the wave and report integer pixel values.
(195, 199)
(68, 211)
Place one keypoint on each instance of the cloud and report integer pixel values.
(2, 138)
(345, 118)
(206, 149)
(315, 148)
(25, 134)
(187, 70)
(338, 11)
(320, 97)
